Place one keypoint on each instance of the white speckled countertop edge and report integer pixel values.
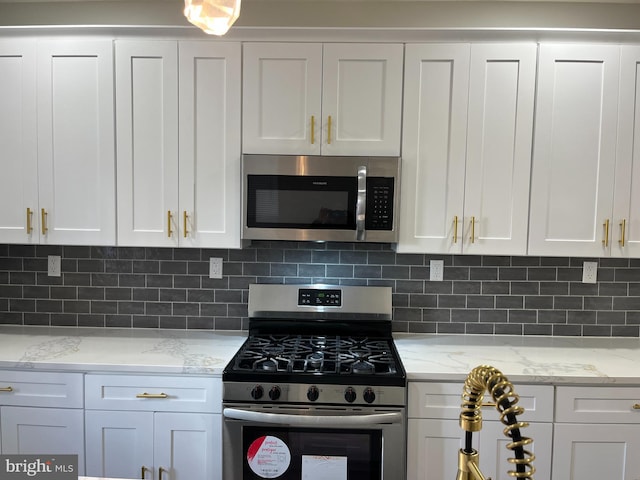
(547, 360)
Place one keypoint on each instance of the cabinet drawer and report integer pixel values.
(442, 400)
(40, 389)
(153, 393)
(598, 404)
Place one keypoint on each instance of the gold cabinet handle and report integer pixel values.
(605, 240)
(489, 404)
(152, 395)
(29, 217)
(313, 129)
(636, 406)
(160, 472)
(143, 469)
(473, 229)
(6, 389)
(43, 215)
(329, 130)
(169, 231)
(455, 229)
(623, 227)
(184, 223)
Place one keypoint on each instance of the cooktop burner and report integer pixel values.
(316, 355)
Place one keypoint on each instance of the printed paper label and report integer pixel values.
(323, 467)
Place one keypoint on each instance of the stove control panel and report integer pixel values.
(319, 297)
(314, 394)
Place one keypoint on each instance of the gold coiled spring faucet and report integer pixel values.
(485, 378)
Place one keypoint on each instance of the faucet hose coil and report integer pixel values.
(485, 378)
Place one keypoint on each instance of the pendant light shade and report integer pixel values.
(212, 16)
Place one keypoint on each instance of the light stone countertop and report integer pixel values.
(123, 350)
(550, 360)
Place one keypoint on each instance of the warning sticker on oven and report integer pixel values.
(321, 467)
(268, 457)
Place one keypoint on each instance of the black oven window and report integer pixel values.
(316, 453)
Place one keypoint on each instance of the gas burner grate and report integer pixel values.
(316, 354)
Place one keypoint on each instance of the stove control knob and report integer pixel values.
(313, 393)
(369, 395)
(350, 395)
(274, 393)
(257, 392)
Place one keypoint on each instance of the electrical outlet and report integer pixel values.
(215, 267)
(54, 266)
(436, 270)
(589, 272)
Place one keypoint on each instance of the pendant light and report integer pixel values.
(212, 16)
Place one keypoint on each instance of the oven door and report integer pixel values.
(313, 443)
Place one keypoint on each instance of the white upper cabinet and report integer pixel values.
(434, 147)
(468, 118)
(209, 154)
(76, 152)
(331, 99)
(625, 236)
(58, 182)
(18, 138)
(178, 151)
(574, 153)
(147, 147)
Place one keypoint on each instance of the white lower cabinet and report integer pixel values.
(153, 427)
(435, 437)
(41, 413)
(597, 433)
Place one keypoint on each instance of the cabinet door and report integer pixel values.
(361, 99)
(626, 214)
(147, 146)
(596, 451)
(209, 175)
(433, 148)
(494, 454)
(574, 150)
(188, 445)
(432, 449)
(119, 444)
(33, 431)
(19, 157)
(76, 152)
(281, 101)
(499, 137)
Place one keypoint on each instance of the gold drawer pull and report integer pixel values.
(623, 227)
(6, 389)
(455, 229)
(169, 217)
(161, 471)
(143, 469)
(329, 130)
(636, 406)
(489, 404)
(605, 240)
(185, 217)
(313, 129)
(152, 395)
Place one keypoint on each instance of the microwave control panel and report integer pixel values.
(380, 193)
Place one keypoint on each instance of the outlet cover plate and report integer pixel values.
(215, 267)
(436, 270)
(590, 272)
(53, 266)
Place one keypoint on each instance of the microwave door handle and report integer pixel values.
(312, 420)
(361, 203)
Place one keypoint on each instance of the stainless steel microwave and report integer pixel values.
(316, 198)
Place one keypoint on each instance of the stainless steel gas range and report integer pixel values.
(318, 390)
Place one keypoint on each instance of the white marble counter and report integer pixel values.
(119, 350)
(552, 360)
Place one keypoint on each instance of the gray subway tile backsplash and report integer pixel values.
(170, 288)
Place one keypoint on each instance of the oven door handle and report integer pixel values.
(313, 420)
